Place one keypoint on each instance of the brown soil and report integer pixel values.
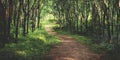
(69, 49)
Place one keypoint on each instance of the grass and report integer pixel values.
(108, 51)
(87, 40)
(32, 47)
(103, 47)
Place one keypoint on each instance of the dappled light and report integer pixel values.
(59, 29)
(22, 53)
(69, 48)
(68, 58)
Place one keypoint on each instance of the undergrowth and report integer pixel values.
(108, 51)
(87, 40)
(32, 47)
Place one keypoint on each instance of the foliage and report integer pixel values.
(109, 51)
(32, 47)
(96, 18)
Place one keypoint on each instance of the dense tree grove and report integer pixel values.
(98, 18)
(17, 17)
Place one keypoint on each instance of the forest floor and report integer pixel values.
(69, 49)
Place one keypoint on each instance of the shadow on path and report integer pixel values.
(69, 49)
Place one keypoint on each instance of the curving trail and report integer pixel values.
(69, 49)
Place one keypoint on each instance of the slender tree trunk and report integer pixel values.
(17, 22)
(10, 18)
(2, 27)
(28, 16)
(39, 11)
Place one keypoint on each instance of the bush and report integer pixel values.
(32, 47)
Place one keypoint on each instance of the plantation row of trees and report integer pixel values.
(17, 17)
(98, 18)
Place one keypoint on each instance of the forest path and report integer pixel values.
(69, 49)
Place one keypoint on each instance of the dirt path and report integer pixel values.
(69, 49)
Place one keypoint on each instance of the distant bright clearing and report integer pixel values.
(48, 17)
